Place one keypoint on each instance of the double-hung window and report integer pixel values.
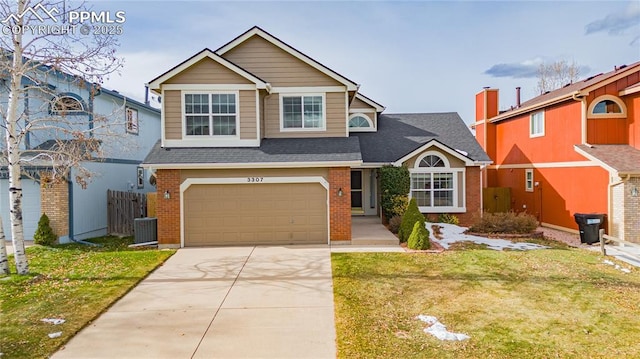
(304, 112)
(536, 124)
(211, 114)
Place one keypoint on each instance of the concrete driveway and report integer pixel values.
(236, 302)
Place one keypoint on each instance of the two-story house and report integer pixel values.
(126, 128)
(262, 144)
(572, 150)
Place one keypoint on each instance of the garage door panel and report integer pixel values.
(255, 214)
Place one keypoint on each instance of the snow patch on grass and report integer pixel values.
(452, 234)
(439, 330)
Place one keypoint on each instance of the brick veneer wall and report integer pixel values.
(340, 206)
(54, 202)
(473, 194)
(631, 211)
(168, 210)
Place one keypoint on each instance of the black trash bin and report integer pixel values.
(589, 225)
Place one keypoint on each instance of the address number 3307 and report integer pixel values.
(255, 179)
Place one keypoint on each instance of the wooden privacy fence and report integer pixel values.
(496, 199)
(122, 209)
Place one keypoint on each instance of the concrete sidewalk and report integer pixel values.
(235, 302)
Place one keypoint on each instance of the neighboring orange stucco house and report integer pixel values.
(263, 145)
(572, 150)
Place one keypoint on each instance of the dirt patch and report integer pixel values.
(507, 235)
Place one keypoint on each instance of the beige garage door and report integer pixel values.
(266, 213)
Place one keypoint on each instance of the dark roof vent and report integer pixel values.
(621, 67)
(567, 85)
(592, 77)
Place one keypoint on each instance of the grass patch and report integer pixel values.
(537, 304)
(74, 282)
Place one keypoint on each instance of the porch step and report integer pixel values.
(374, 242)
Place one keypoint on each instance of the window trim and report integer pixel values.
(597, 100)
(183, 94)
(455, 183)
(134, 129)
(303, 129)
(72, 96)
(542, 131)
(528, 183)
(371, 128)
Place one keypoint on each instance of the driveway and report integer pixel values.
(234, 302)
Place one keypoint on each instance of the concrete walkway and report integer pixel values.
(369, 230)
(235, 302)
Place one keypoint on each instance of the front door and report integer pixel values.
(356, 192)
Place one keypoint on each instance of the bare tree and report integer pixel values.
(39, 44)
(554, 75)
(4, 261)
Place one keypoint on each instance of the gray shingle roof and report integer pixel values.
(622, 158)
(329, 149)
(401, 134)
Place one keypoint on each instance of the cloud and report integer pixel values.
(616, 23)
(526, 69)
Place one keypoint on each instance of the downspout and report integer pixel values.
(70, 198)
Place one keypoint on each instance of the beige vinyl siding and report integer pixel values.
(207, 71)
(274, 65)
(335, 116)
(357, 103)
(172, 115)
(248, 115)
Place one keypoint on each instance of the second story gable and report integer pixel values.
(257, 87)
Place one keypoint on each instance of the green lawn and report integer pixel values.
(73, 282)
(555, 303)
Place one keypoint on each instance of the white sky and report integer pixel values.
(419, 56)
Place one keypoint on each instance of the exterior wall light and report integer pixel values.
(340, 192)
(167, 194)
(634, 192)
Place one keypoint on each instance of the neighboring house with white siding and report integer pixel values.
(130, 129)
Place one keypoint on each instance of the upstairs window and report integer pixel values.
(360, 123)
(210, 114)
(67, 105)
(303, 112)
(536, 124)
(607, 106)
(131, 120)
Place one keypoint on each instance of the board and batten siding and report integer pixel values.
(335, 118)
(207, 71)
(276, 66)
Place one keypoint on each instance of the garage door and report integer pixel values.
(246, 214)
(30, 207)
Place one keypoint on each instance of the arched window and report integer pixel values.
(360, 122)
(431, 161)
(67, 104)
(607, 106)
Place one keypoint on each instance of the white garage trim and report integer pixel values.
(256, 180)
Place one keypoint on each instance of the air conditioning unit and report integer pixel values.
(145, 230)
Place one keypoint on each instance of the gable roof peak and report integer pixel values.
(257, 31)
